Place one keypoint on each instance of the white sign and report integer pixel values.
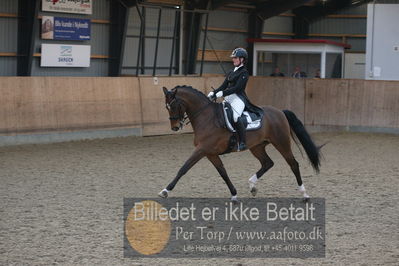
(65, 55)
(68, 6)
(377, 71)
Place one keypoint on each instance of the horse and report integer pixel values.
(211, 138)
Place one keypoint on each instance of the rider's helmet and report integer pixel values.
(240, 52)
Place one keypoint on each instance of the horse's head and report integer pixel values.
(175, 107)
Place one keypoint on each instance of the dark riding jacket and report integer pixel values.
(235, 82)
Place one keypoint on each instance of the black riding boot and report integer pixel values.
(240, 128)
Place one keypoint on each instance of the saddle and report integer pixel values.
(253, 120)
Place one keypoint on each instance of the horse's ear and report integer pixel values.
(165, 90)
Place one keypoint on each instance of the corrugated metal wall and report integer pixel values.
(151, 15)
(220, 40)
(8, 39)
(278, 24)
(346, 26)
(217, 39)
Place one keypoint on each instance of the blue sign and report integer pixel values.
(73, 29)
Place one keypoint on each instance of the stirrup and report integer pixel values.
(241, 147)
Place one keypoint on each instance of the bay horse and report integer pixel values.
(211, 138)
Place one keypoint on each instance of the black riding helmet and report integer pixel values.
(240, 52)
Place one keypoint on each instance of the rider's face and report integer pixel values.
(236, 61)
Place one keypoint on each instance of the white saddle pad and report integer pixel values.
(252, 125)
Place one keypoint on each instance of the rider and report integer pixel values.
(233, 89)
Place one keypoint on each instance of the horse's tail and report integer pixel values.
(310, 147)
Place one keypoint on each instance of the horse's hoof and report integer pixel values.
(254, 190)
(306, 198)
(234, 199)
(163, 193)
(252, 185)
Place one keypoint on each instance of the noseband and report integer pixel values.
(180, 115)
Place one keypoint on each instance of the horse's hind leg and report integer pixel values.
(266, 163)
(215, 160)
(284, 147)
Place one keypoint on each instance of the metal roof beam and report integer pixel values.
(215, 4)
(193, 22)
(275, 7)
(28, 11)
(119, 12)
(320, 10)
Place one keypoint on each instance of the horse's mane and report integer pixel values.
(193, 90)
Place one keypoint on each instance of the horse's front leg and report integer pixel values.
(215, 160)
(194, 158)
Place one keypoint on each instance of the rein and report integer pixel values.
(182, 118)
(196, 113)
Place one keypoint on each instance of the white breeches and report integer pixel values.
(236, 104)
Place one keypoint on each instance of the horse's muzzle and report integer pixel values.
(175, 128)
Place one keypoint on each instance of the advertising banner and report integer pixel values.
(74, 29)
(214, 227)
(63, 55)
(68, 6)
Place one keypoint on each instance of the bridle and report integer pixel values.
(182, 116)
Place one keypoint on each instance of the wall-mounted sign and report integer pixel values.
(64, 55)
(55, 28)
(68, 6)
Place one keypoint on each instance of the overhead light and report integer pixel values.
(356, 2)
